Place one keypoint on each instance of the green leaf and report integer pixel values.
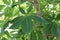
(13, 5)
(22, 1)
(1, 7)
(33, 36)
(21, 10)
(25, 22)
(7, 2)
(30, 8)
(52, 28)
(4, 38)
(47, 28)
(4, 27)
(15, 11)
(55, 30)
(7, 33)
(8, 12)
(27, 25)
(16, 22)
(13, 1)
(58, 17)
(39, 19)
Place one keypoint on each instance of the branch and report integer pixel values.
(37, 7)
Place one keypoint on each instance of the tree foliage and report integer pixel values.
(30, 20)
